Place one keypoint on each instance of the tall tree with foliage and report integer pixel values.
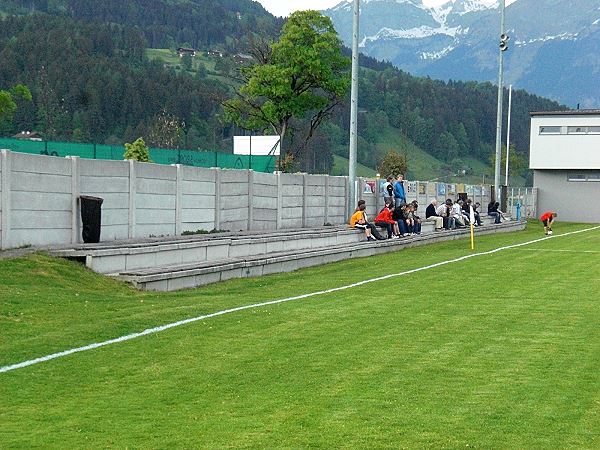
(9, 102)
(302, 76)
(393, 164)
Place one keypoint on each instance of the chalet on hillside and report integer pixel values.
(215, 53)
(28, 136)
(186, 51)
(242, 58)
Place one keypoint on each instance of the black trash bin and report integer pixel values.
(91, 216)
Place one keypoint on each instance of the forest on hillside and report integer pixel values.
(92, 82)
(166, 23)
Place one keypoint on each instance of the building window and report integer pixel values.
(574, 176)
(593, 177)
(549, 130)
(576, 130)
(594, 130)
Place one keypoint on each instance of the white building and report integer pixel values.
(565, 158)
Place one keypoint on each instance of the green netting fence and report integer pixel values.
(158, 155)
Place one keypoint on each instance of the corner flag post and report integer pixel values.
(472, 220)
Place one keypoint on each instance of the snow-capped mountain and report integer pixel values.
(554, 48)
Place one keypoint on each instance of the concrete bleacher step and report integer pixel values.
(170, 277)
(115, 257)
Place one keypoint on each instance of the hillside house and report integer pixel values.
(182, 51)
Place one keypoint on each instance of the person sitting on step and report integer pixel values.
(359, 221)
(385, 220)
(431, 215)
(417, 219)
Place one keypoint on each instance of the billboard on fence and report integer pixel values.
(256, 145)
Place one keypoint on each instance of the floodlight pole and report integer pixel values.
(508, 131)
(353, 111)
(499, 110)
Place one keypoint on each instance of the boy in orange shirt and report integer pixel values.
(548, 219)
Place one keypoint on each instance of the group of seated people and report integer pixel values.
(398, 221)
(401, 221)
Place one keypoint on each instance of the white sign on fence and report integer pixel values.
(256, 145)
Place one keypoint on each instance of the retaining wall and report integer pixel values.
(39, 199)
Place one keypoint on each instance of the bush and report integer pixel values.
(137, 151)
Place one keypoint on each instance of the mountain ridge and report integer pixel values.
(459, 40)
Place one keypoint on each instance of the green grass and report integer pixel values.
(340, 168)
(498, 351)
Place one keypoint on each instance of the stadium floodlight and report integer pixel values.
(497, 168)
(353, 112)
(504, 38)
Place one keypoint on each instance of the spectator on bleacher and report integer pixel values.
(409, 218)
(385, 220)
(399, 193)
(431, 215)
(359, 221)
(445, 212)
(467, 210)
(493, 211)
(398, 216)
(457, 215)
(388, 191)
(416, 218)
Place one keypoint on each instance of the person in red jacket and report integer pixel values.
(548, 219)
(385, 220)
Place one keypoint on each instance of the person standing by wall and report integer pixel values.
(399, 192)
(388, 191)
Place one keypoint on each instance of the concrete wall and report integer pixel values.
(424, 192)
(39, 199)
(574, 201)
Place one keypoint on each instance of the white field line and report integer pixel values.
(268, 303)
(559, 251)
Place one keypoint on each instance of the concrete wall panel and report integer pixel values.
(197, 174)
(40, 220)
(33, 182)
(198, 201)
(103, 168)
(22, 162)
(40, 201)
(104, 184)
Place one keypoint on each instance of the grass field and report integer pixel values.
(497, 351)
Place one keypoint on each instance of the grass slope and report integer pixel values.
(498, 351)
(340, 168)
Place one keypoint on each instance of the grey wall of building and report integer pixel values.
(574, 201)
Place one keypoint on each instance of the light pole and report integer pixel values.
(353, 111)
(503, 47)
(508, 131)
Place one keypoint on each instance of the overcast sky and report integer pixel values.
(284, 7)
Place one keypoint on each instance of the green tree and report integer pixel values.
(304, 75)
(187, 62)
(166, 130)
(9, 101)
(393, 163)
(137, 151)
